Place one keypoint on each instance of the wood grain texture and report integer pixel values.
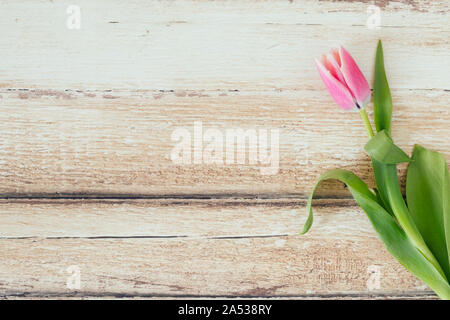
(193, 248)
(86, 118)
(73, 142)
(228, 267)
(91, 111)
(177, 218)
(202, 45)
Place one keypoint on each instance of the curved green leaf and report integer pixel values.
(381, 148)
(393, 237)
(428, 196)
(347, 177)
(382, 100)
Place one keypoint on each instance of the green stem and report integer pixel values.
(366, 122)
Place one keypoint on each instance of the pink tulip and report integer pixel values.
(343, 79)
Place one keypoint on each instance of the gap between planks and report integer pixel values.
(173, 197)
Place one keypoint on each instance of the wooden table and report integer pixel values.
(92, 204)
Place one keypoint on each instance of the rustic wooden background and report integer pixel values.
(86, 118)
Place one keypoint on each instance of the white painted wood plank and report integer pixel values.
(192, 247)
(245, 45)
(42, 218)
(120, 142)
(228, 267)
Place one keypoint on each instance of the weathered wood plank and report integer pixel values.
(204, 248)
(178, 218)
(243, 45)
(229, 267)
(120, 142)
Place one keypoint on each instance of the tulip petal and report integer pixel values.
(335, 53)
(335, 65)
(337, 90)
(329, 66)
(354, 78)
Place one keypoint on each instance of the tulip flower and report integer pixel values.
(343, 79)
(345, 82)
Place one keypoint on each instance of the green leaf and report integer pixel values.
(382, 148)
(388, 185)
(428, 196)
(382, 105)
(346, 177)
(382, 100)
(380, 171)
(393, 237)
